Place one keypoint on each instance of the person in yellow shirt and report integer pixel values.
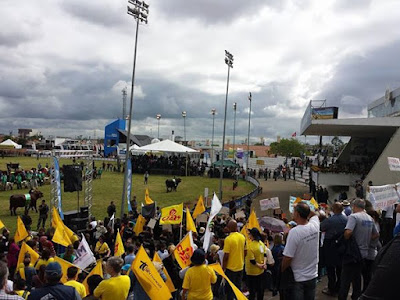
(45, 259)
(102, 250)
(72, 274)
(198, 279)
(117, 287)
(256, 263)
(233, 261)
(20, 288)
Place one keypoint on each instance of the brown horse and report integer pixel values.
(20, 201)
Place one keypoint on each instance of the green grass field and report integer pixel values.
(109, 188)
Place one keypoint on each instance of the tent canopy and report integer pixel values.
(11, 143)
(227, 163)
(167, 146)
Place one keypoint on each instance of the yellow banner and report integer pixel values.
(184, 250)
(217, 268)
(314, 203)
(190, 226)
(140, 221)
(172, 214)
(20, 233)
(200, 208)
(97, 270)
(119, 246)
(253, 222)
(169, 282)
(64, 267)
(149, 278)
(26, 249)
(147, 198)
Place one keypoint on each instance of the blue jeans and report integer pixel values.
(304, 290)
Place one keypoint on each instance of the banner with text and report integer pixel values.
(292, 201)
(270, 203)
(394, 164)
(384, 195)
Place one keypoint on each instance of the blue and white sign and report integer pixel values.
(58, 183)
(129, 185)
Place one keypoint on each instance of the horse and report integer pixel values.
(20, 201)
(172, 184)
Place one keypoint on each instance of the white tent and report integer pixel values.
(11, 143)
(167, 146)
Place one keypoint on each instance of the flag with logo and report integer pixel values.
(64, 267)
(200, 208)
(149, 278)
(21, 232)
(215, 209)
(147, 198)
(2, 224)
(84, 256)
(26, 249)
(190, 226)
(97, 270)
(253, 222)
(140, 221)
(184, 250)
(172, 214)
(218, 269)
(119, 246)
(169, 282)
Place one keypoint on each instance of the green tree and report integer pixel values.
(287, 147)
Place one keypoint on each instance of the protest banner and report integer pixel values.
(184, 250)
(293, 200)
(152, 223)
(84, 256)
(394, 164)
(172, 214)
(383, 196)
(269, 203)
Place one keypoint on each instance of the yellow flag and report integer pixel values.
(56, 222)
(253, 222)
(64, 267)
(21, 232)
(314, 203)
(61, 237)
(184, 250)
(244, 232)
(200, 208)
(217, 268)
(2, 224)
(55, 219)
(97, 270)
(147, 198)
(169, 282)
(119, 246)
(298, 199)
(190, 226)
(139, 225)
(26, 249)
(149, 278)
(172, 214)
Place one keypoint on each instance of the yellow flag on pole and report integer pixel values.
(244, 232)
(2, 224)
(147, 198)
(169, 282)
(172, 214)
(314, 203)
(253, 222)
(140, 221)
(149, 278)
(119, 246)
(64, 267)
(26, 249)
(218, 269)
(21, 232)
(63, 230)
(97, 270)
(61, 236)
(55, 219)
(200, 208)
(190, 226)
(184, 250)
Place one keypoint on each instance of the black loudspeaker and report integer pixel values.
(72, 178)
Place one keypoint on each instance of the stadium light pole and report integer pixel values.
(248, 137)
(229, 62)
(158, 119)
(234, 128)
(139, 11)
(213, 111)
(184, 126)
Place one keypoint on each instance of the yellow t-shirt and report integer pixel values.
(234, 245)
(22, 293)
(113, 288)
(43, 262)
(80, 288)
(102, 248)
(197, 281)
(255, 250)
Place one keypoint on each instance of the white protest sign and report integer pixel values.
(271, 203)
(152, 223)
(383, 196)
(240, 214)
(224, 210)
(292, 199)
(394, 164)
(84, 256)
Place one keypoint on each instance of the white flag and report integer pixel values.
(84, 256)
(215, 208)
(111, 222)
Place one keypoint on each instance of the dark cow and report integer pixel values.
(20, 201)
(172, 184)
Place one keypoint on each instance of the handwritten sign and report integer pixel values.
(383, 196)
(394, 164)
(271, 203)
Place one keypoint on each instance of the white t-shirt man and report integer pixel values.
(303, 247)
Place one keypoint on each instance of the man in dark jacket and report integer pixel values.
(111, 209)
(53, 289)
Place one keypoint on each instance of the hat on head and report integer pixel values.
(345, 203)
(126, 267)
(214, 248)
(198, 257)
(53, 269)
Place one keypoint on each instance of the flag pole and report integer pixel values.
(180, 233)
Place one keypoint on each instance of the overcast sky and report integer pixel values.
(63, 63)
